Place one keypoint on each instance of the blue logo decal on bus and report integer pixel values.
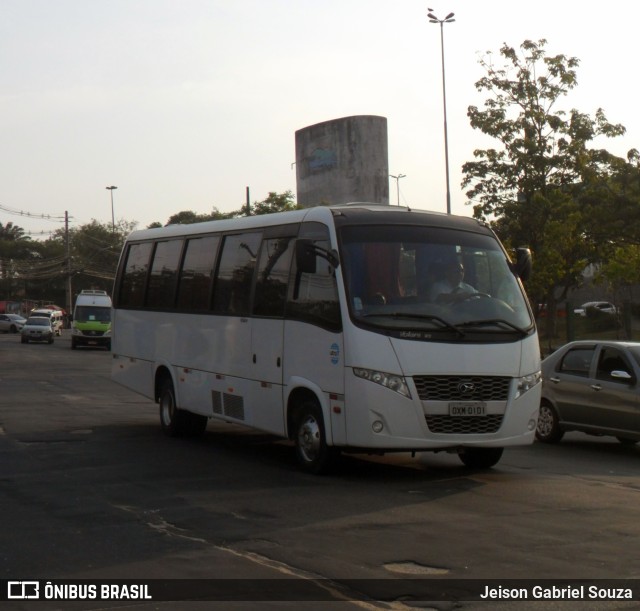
(335, 353)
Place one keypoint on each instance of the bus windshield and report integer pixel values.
(431, 280)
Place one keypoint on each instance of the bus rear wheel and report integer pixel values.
(480, 458)
(312, 451)
(174, 421)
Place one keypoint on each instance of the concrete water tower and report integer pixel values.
(343, 160)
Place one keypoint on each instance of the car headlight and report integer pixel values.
(526, 383)
(388, 380)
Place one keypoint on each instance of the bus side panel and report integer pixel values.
(132, 373)
(204, 350)
(266, 377)
(317, 355)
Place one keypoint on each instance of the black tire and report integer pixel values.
(74, 344)
(548, 428)
(24, 340)
(13, 329)
(50, 341)
(312, 451)
(480, 458)
(176, 422)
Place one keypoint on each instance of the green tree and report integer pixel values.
(274, 202)
(14, 245)
(534, 185)
(188, 217)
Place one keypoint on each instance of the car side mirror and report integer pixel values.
(623, 376)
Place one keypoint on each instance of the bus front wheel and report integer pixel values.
(176, 422)
(313, 453)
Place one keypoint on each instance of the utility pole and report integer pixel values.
(69, 294)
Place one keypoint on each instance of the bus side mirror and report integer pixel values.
(305, 257)
(524, 263)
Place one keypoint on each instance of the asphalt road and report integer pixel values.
(91, 489)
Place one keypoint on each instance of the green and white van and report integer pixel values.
(91, 324)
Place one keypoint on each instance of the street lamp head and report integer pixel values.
(111, 187)
(433, 19)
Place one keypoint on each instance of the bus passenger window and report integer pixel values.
(134, 278)
(163, 276)
(232, 290)
(194, 289)
(272, 277)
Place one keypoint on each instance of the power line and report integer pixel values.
(32, 215)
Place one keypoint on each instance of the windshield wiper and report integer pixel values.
(429, 317)
(494, 321)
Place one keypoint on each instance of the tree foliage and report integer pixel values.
(274, 202)
(545, 185)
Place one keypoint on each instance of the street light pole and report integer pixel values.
(398, 177)
(448, 19)
(113, 218)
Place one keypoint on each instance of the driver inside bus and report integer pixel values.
(451, 286)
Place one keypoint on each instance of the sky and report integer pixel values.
(183, 104)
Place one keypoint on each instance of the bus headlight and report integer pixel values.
(526, 383)
(388, 380)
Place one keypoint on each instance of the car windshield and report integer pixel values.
(38, 322)
(422, 279)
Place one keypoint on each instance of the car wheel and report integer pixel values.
(548, 429)
(13, 329)
(24, 340)
(312, 451)
(74, 344)
(480, 458)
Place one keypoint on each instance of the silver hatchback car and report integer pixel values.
(37, 329)
(593, 387)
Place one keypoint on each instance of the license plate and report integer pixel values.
(467, 408)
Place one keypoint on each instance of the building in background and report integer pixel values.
(343, 160)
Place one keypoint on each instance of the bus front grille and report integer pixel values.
(462, 388)
(468, 425)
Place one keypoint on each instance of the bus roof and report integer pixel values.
(357, 212)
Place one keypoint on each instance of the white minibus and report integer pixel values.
(333, 327)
